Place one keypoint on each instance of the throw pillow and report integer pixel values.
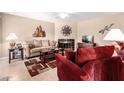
(88, 54)
(31, 46)
(37, 43)
(45, 43)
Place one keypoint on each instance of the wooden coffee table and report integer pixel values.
(47, 52)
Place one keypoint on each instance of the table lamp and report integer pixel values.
(12, 37)
(116, 36)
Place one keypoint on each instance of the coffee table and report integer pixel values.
(47, 52)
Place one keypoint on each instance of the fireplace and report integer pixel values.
(66, 43)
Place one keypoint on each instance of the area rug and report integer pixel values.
(51, 64)
(36, 66)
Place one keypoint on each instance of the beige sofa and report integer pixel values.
(32, 48)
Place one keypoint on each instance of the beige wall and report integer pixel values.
(59, 35)
(92, 27)
(0, 36)
(23, 28)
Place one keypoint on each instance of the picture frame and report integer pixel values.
(19, 45)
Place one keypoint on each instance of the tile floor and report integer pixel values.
(17, 71)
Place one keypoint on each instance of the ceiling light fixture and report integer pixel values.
(63, 15)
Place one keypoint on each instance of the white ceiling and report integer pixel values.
(54, 16)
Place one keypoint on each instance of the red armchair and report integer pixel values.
(66, 70)
(100, 67)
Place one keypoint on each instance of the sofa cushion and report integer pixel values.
(45, 43)
(88, 54)
(31, 46)
(37, 43)
(29, 42)
(37, 49)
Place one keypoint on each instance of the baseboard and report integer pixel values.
(3, 58)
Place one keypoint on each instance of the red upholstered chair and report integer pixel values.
(68, 71)
(95, 64)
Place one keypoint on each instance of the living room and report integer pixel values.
(23, 25)
(74, 24)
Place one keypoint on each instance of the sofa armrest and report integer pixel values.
(26, 50)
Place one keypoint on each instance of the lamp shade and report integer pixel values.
(114, 35)
(12, 36)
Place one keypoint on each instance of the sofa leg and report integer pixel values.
(27, 57)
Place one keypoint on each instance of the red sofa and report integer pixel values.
(96, 64)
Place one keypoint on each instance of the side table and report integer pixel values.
(12, 54)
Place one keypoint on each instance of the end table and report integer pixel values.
(12, 54)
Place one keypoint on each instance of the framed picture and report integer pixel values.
(19, 45)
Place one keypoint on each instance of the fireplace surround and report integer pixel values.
(66, 43)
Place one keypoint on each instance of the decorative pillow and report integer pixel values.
(37, 43)
(31, 46)
(70, 55)
(29, 42)
(88, 54)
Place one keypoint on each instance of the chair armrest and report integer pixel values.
(111, 69)
(118, 60)
(114, 68)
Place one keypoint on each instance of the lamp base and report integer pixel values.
(12, 45)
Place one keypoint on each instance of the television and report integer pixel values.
(88, 39)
